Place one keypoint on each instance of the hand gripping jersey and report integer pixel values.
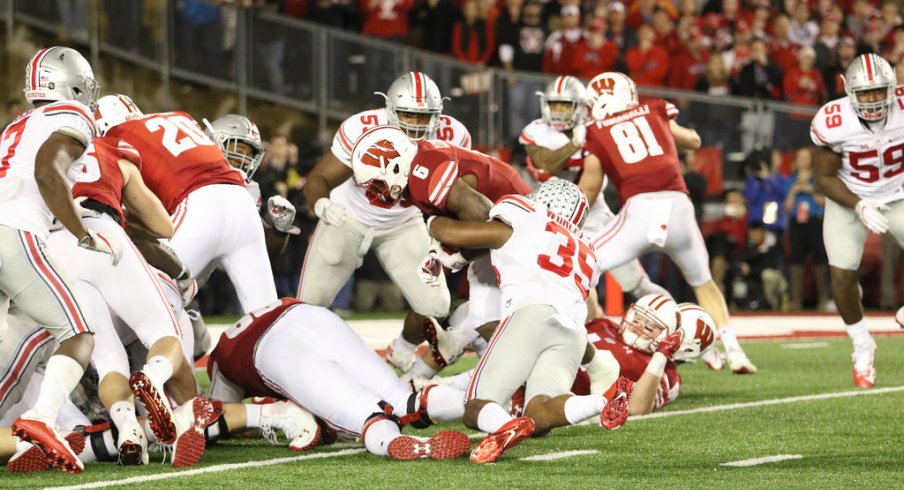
(234, 354)
(176, 156)
(21, 204)
(603, 333)
(101, 178)
(538, 133)
(872, 164)
(353, 197)
(437, 165)
(637, 150)
(546, 261)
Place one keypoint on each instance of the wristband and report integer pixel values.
(656, 366)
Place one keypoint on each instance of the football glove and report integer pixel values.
(103, 244)
(429, 271)
(670, 345)
(82, 211)
(870, 213)
(281, 214)
(332, 213)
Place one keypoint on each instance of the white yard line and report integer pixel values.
(743, 463)
(559, 455)
(805, 345)
(212, 469)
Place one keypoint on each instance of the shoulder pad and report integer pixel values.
(833, 123)
(509, 209)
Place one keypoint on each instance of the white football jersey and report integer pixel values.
(538, 133)
(21, 204)
(254, 189)
(546, 261)
(353, 197)
(872, 164)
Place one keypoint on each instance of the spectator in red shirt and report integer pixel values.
(690, 64)
(641, 11)
(648, 64)
(729, 235)
(803, 84)
(386, 19)
(472, 37)
(666, 34)
(782, 50)
(596, 53)
(560, 45)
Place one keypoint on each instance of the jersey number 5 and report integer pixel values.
(572, 252)
(635, 140)
(173, 129)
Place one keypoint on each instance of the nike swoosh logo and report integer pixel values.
(511, 436)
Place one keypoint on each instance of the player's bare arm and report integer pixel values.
(56, 154)
(685, 138)
(825, 173)
(466, 203)
(551, 161)
(324, 177)
(592, 179)
(461, 234)
(157, 255)
(144, 204)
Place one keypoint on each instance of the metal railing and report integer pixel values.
(330, 74)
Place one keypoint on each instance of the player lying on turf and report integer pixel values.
(307, 354)
(545, 270)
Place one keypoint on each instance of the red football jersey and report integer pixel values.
(637, 150)
(177, 157)
(234, 353)
(603, 333)
(101, 178)
(438, 164)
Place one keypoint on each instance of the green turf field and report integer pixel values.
(845, 441)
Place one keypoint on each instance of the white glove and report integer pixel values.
(188, 286)
(870, 213)
(429, 271)
(282, 215)
(332, 213)
(579, 135)
(101, 243)
(84, 212)
(454, 262)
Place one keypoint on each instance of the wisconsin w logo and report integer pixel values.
(379, 154)
(604, 86)
(705, 334)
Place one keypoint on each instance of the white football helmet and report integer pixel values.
(648, 320)
(113, 110)
(610, 93)
(230, 130)
(381, 162)
(698, 332)
(870, 72)
(415, 93)
(567, 90)
(564, 199)
(60, 73)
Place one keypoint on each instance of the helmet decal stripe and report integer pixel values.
(418, 85)
(560, 85)
(34, 67)
(868, 60)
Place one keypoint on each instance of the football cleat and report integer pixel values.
(160, 415)
(133, 445)
(517, 408)
(401, 361)
(618, 397)
(190, 420)
(739, 363)
(296, 423)
(57, 450)
(864, 370)
(446, 346)
(713, 359)
(508, 436)
(899, 317)
(33, 460)
(448, 444)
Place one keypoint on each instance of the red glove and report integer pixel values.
(669, 345)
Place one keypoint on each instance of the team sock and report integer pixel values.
(61, 375)
(159, 369)
(491, 417)
(581, 408)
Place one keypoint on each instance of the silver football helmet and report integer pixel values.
(563, 198)
(230, 130)
(60, 73)
(870, 72)
(414, 93)
(568, 90)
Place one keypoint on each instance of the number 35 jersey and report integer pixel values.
(872, 163)
(545, 261)
(176, 156)
(637, 150)
(450, 130)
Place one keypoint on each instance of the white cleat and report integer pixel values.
(190, 420)
(133, 445)
(864, 370)
(739, 363)
(713, 359)
(403, 361)
(447, 346)
(296, 423)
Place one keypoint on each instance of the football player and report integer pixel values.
(335, 376)
(215, 218)
(554, 145)
(860, 169)
(637, 144)
(39, 153)
(546, 270)
(350, 224)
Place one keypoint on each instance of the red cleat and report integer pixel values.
(191, 419)
(508, 436)
(448, 444)
(517, 403)
(33, 460)
(56, 450)
(615, 413)
(160, 415)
